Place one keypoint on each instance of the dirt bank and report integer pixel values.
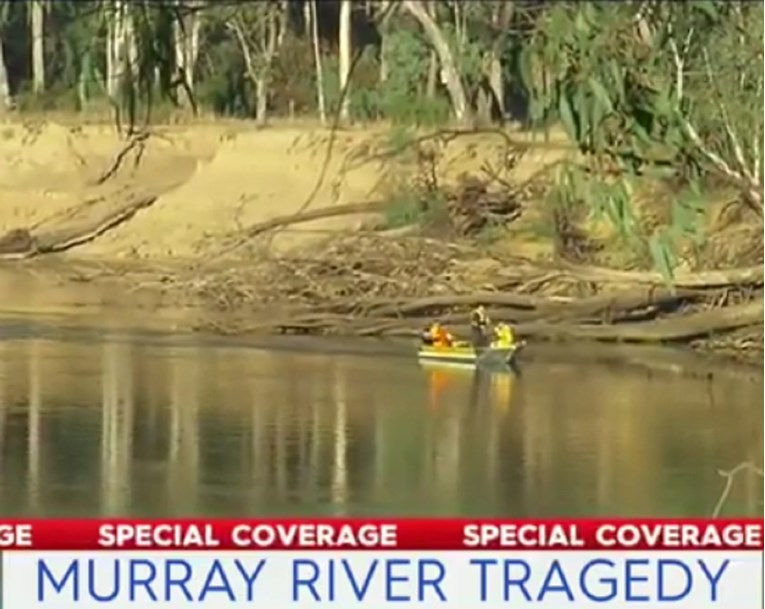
(208, 182)
(289, 230)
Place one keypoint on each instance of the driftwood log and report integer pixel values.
(378, 286)
(700, 279)
(85, 223)
(633, 315)
(387, 286)
(17, 243)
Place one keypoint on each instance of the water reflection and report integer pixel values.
(121, 427)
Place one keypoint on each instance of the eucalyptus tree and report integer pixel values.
(258, 28)
(321, 96)
(653, 88)
(188, 16)
(37, 9)
(469, 42)
(450, 75)
(344, 53)
(5, 87)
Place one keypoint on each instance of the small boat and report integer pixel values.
(465, 354)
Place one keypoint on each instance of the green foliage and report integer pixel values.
(331, 82)
(407, 206)
(401, 145)
(607, 200)
(470, 42)
(400, 96)
(662, 252)
(404, 209)
(640, 88)
(77, 52)
(491, 234)
(678, 85)
(293, 78)
(223, 85)
(363, 92)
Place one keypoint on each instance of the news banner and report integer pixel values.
(375, 564)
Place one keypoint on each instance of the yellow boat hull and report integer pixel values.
(465, 354)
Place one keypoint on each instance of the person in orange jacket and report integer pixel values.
(437, 336)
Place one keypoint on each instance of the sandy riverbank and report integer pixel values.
(155, 218)
(211, 180)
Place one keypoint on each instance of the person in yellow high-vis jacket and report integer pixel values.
(504, 336)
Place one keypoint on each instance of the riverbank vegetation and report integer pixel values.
(648, 227)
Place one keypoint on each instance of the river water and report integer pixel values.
(100, 418)
(104, 422)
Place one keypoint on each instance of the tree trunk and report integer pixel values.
(274, 30)
(111, 46)
(5, 89)
(496, 81)
(449, 74)
(284, 10)
(261, 103)
(120, 47)
(308, 20)
(483, 106)
(430, 87)
(186, 42)
(459, 24)
(270, 45)
(344, 45)
(384, 32)
(432, 82)
(130, 45)
(501, 18)
(38, 45)
(259, 54)
(317, 58)
(249, 62)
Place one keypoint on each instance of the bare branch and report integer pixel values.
(234, 25)
(387, 9)
(729, 476)
(679, 65)
(679, 58)
(693, 135)
(735, 144)
(756, 134)
(743, 176)
(716, 161)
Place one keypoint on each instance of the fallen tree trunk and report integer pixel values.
(701, 279)
(540, 307)
(683, 328)
(17, 243)
(66, 238)
(306, 216)
(84, 224)
(420, 305)
(612, 305)
(378, 287)
(627, 316)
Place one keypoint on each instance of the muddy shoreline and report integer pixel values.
(173, 229)
(184, 296)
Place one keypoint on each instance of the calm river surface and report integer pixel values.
(100, 423)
